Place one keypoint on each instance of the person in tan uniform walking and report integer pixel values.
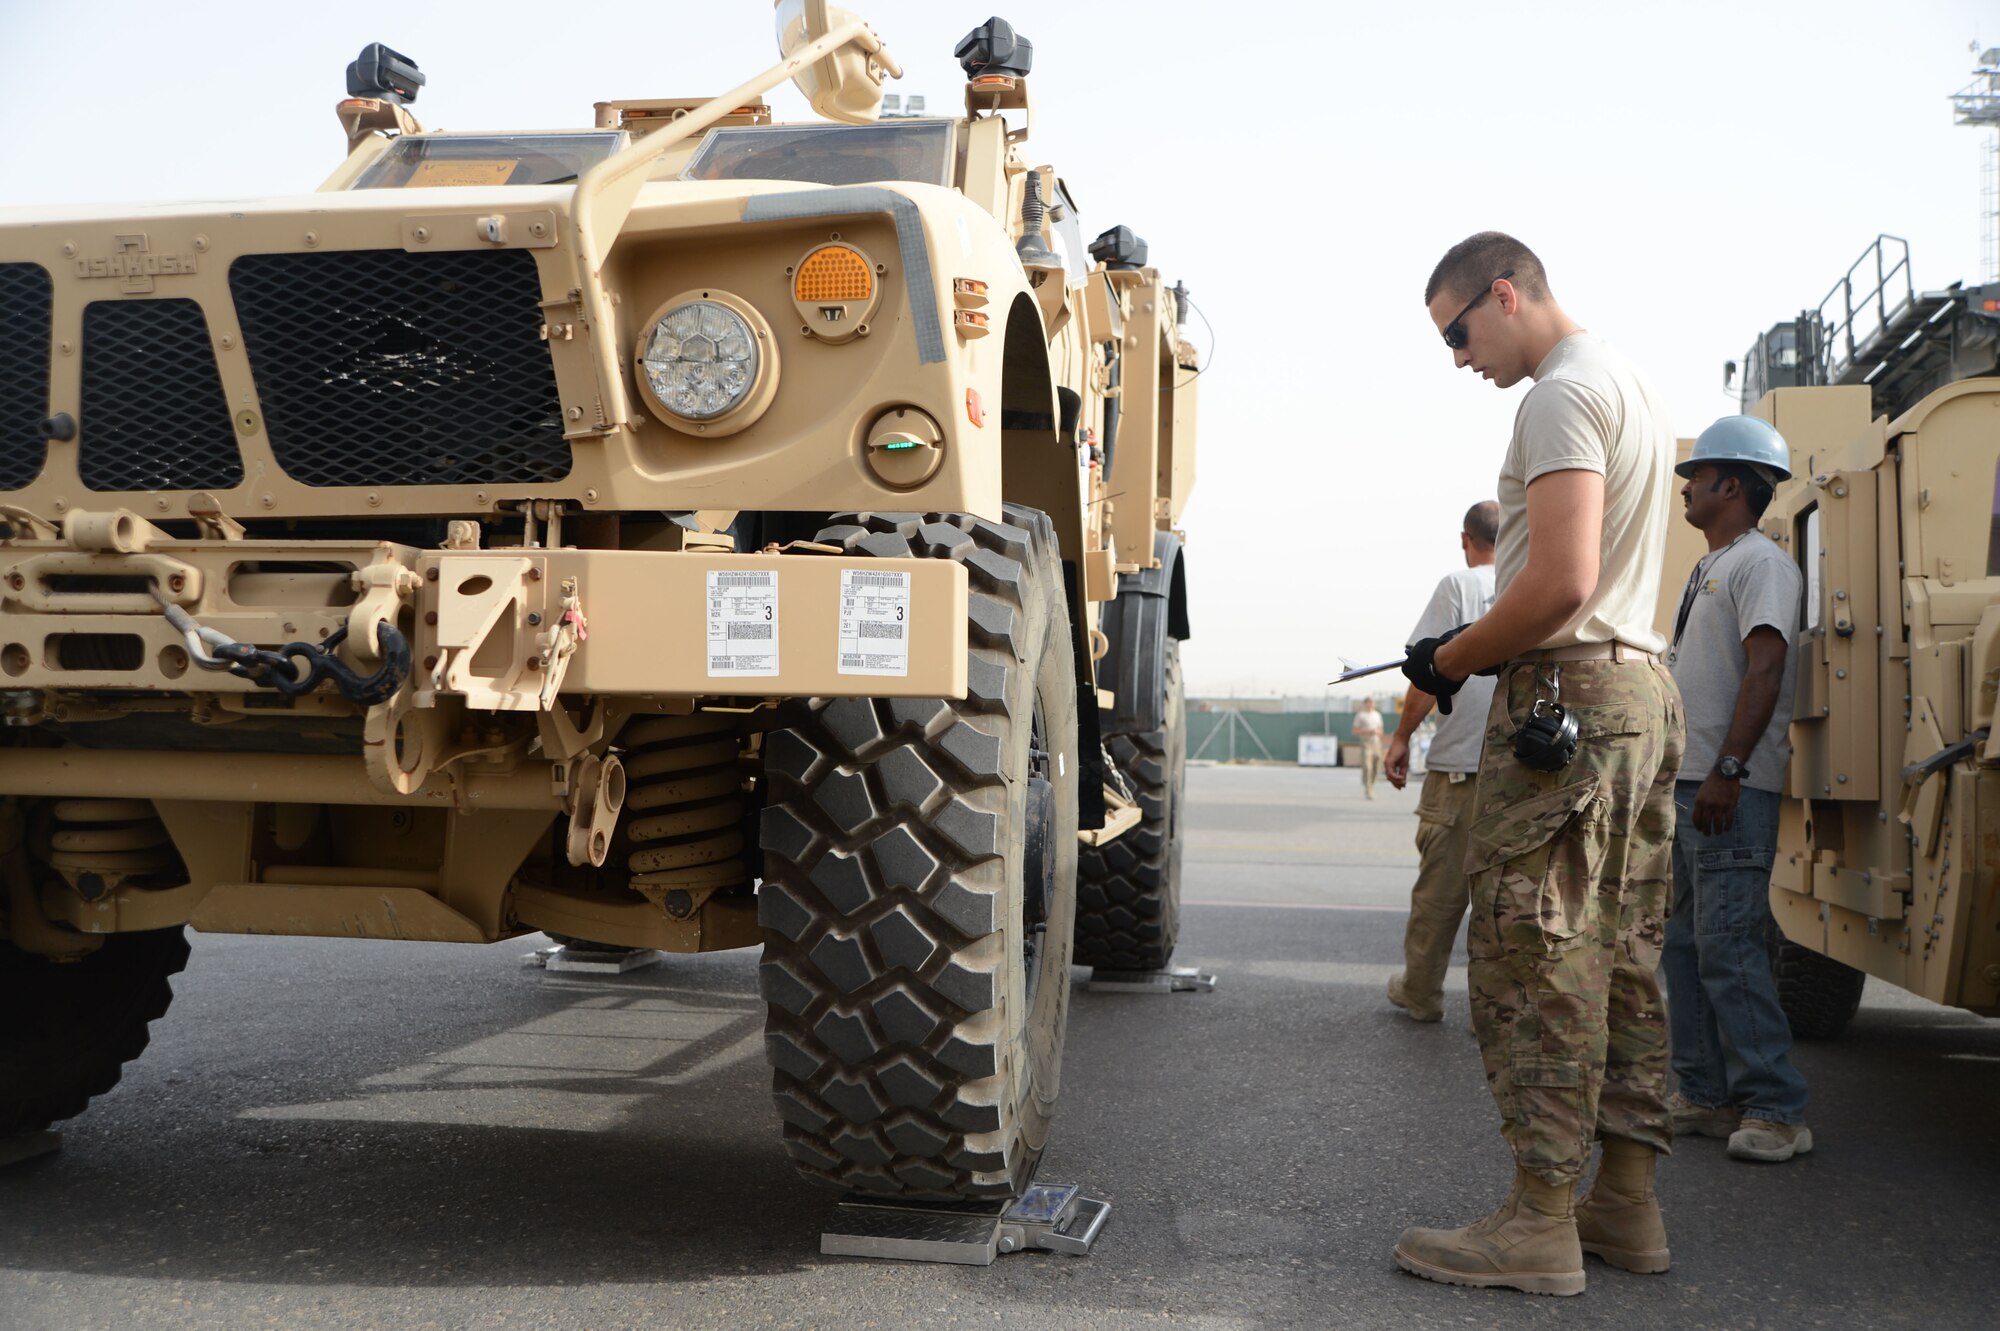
(1367, 731)
(1571, 847)
(1451, 774)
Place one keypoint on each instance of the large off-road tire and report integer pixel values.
(68, 1028)
(919, 889)
(1128, 891)
(1819, 995)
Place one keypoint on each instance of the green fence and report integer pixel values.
(1228, 735)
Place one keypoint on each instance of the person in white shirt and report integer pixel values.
(1451, 773)
(1367, 733)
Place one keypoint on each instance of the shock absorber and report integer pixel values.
(96, 845)
(684, 809)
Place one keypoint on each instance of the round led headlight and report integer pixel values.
(708, 362)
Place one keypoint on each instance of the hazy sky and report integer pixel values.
(1690, 174)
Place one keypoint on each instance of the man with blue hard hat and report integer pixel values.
(1731, 657)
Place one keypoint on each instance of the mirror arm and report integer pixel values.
(606, 192)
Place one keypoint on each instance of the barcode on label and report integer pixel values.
(741, 580)
(875, 609)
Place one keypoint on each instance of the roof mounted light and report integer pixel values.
(994, 51)
(383, 74)
(1120, 249)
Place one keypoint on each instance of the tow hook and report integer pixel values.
(297, 667)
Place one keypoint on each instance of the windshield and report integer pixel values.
(917, 151)
(419, 160)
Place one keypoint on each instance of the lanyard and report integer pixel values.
(1694, 586)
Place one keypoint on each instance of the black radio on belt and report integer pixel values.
(1547, 742)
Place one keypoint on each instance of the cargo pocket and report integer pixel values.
(1534, 867)
(1732, 889)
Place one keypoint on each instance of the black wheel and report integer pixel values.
(1128, 891)
(919, 889)
(1819, 995)
(67, 1029)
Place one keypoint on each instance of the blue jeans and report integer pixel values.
(1731, 1043)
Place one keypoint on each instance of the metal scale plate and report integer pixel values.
(1056, 1217)
(28, 1146)
(593, 961)
(1172, 980)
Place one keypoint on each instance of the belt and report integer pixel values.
(1621, 652)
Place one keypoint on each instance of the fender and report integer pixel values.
(1150, 610)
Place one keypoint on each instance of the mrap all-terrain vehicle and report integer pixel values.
(1888, 858)
(690, 532)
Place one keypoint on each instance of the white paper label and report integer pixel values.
(743, 622)
(874, 622)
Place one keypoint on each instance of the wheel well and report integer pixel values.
(1038, 468)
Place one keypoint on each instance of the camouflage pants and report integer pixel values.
(1572, 876)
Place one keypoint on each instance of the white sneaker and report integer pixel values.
(1773, 1143)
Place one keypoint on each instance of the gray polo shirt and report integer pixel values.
(1462, 596)
(1740, 587)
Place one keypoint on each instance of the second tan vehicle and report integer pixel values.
(689, 532)
(1888, 860)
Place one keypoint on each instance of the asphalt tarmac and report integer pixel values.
(360, 1135)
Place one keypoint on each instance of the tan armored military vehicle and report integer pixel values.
(1887, 858)
(690, 532)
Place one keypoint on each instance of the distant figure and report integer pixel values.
(1451, 774)
(1732, 642)
(1368, 734)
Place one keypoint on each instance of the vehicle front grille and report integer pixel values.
(381, 367)
(25, 296)
(154, 416)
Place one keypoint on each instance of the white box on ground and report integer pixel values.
(1319, 751)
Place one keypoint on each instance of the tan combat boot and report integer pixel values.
(1529, 1244)
(1399, 994)
(1620, 1219)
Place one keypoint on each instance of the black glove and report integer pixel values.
(1422, 672)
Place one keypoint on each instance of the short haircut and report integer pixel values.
(1757, 491)
(1482, 523)
(1474, 263)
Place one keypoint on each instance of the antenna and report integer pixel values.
(1978, 104)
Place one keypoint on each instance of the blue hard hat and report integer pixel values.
(1747, 439)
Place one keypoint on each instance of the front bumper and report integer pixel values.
(498, 629)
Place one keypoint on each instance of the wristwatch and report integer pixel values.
(1731, 768)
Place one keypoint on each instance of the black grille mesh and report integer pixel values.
(25, 293)
(380, 367)
(154, 417)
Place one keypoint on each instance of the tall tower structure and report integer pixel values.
(1978, 103)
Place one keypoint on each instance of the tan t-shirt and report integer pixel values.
(1591, 410)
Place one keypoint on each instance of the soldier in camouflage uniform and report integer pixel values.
(1570, 869)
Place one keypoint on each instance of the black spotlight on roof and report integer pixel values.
(386, 75)
(1119, 249)
(993, 49)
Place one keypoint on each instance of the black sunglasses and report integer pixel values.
(1454, 332)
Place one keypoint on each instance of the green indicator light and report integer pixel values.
(893, 448)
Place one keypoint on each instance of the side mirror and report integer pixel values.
(846, 85)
